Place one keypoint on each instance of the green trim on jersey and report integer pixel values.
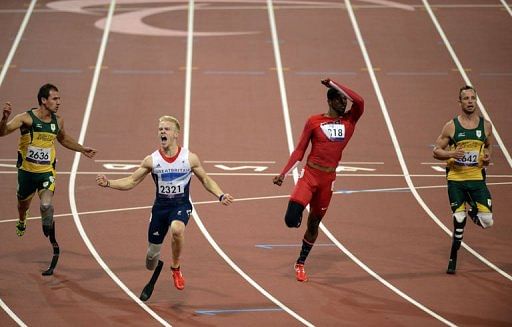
(472, 141)
(36, 148)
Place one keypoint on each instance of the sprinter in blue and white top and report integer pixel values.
(171, 176)
(171, 167)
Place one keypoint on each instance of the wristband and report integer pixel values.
(108, 183)
(221, 197)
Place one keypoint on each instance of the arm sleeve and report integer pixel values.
(357, 101)
(299, 151)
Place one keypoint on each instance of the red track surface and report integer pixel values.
(236, 115)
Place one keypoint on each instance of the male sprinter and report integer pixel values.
(171, 167)
(465, 142)
(328, 133)
(39, 128)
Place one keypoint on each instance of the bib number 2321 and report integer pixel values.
(169, 189)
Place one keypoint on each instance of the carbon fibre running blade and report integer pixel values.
(148, 289)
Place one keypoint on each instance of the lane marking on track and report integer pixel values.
(291, 149)
(51, 70)
(5, 67)
(195, 215)
(238, 161)
(507, 7)
(234, 72)
(466, 79)
(257, 198)
(251, 174)
(74, 169)
(230, 311)
(11, 314)
(7, 64)
(296, 245)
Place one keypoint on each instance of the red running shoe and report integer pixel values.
(177, 276)
(300, 273)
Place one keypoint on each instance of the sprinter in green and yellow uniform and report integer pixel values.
(39, 128)
(465, 143)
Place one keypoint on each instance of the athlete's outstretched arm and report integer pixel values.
(127, 183)
(297, 154)
(209, 184)
(71, 144)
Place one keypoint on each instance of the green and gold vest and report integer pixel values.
(36, 148)
(472, 141)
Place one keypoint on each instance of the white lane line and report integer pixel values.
(12, 314)
(282, 86)
(16, 42)
(398, 150)
(254, 198)
(507, 7)
(3, 73)
(322, 226)
(466, 79)
(238, 161)
(74, 169)
(195, 215)
(264, 174)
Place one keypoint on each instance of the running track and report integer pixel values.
(243, 95)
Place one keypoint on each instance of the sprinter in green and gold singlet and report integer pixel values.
(465, 144)
(39, 128)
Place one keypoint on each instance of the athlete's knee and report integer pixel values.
(45, 207)
(153, 255)
(293, 216)
(177, 229)
(459, 217)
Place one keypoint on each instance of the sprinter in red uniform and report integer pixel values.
(328, 133)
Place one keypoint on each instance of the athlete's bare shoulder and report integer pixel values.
(487, 127)
(449, 126)
(147, 162)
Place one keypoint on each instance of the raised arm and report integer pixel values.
(441, 150)
(357, 101)
(127, 183)
(15, 123)
(70, 143)
(208, 183)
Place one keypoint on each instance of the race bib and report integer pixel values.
(334, 132)
(470, 159)
(170, 189)
(39, 156)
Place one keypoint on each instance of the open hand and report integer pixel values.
(89, 152)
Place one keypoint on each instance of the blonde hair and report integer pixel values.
(170, 119)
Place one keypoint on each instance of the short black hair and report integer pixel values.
(465, 88)
(332, 94)
(44, 92)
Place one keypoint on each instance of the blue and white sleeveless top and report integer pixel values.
(171, 176)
